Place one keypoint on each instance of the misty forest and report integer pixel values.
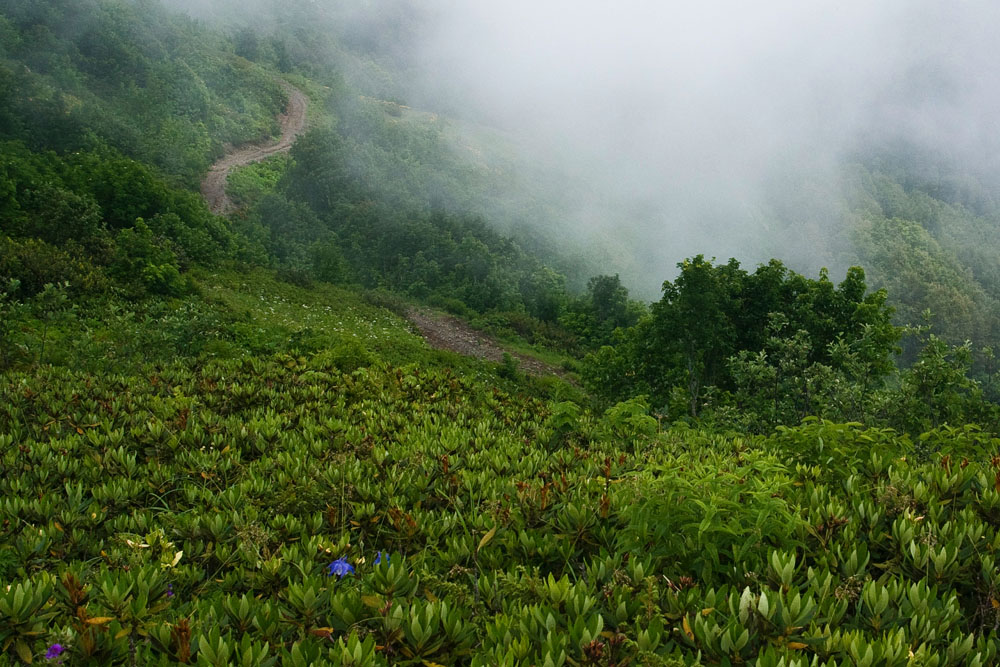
(370, 332)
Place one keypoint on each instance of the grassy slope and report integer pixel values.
(178, 473)
(519, 529)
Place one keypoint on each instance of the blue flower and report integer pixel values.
(378, 558)
(54, 651)
(339, 567)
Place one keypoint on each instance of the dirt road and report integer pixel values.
(441, 331)
(445, 332)
(293, 122)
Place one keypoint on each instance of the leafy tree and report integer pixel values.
(543, 292)
(53, 307)
(145, 262)
(328, 261)
(35, 263)
(936, 389)
(247, 43)
(608, 300)
(695, 327)
(604, 308)
(778, 326)
(60, 216)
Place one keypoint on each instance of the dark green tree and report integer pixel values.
(777, 324)
(694, 325)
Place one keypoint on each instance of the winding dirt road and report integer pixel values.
(439, 330)
(293, 122)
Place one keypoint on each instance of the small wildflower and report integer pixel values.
(170, 590)
(378, 558)
(54, 651)
(340, 567)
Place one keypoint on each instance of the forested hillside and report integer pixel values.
(928, 230)
(221, 442)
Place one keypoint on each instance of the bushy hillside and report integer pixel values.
(104, 145)
(282, 510)
(928, 230)
(221, 443)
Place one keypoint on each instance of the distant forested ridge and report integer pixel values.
(928, 230)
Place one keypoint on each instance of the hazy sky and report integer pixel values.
(681, 111)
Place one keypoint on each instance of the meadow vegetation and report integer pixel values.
(221, 443)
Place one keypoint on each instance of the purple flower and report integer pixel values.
(340, 567)
(54, 651)
(378, 558)
(170, 590)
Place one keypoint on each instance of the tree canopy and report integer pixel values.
(711, 314)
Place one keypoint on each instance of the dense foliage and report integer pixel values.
(925, 229)
(713, 316)
(756, 350)
(154, 85)
(326, 221)
(280, 511)
(111, 112)
(219, 445)
(103, 140)
(92, 218)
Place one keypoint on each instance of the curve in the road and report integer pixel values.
(292, 121)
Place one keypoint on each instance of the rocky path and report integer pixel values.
(445, 332)
(293, 122)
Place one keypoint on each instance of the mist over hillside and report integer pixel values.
(682, 122)
(653, 133)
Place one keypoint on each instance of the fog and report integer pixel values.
(661, 130)
(673, 123)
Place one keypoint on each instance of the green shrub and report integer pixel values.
(383, 298)
(145, 264)
(35, 263)
(450, 304)
(346, 357)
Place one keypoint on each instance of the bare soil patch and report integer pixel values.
(445, 332)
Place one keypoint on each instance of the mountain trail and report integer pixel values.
(292, 121)
(441, 331)
(444, 332)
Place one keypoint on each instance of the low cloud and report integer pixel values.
(656, 131)
(671, 123)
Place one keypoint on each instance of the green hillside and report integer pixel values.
(222, 442)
